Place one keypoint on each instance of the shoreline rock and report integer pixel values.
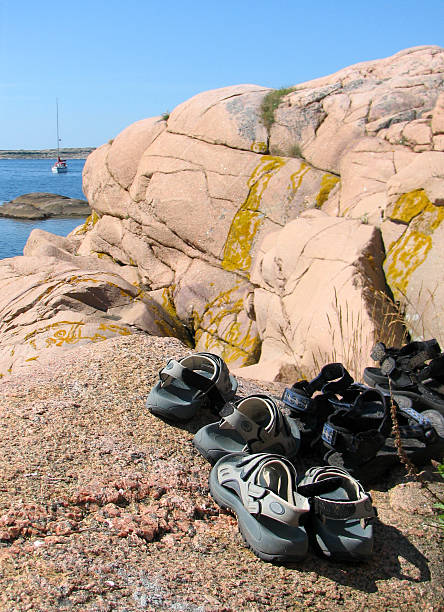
(44, 206)
(74, 153)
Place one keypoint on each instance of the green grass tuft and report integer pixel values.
(270, 103)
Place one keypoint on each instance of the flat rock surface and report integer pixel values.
(43, 206)
(105, 507)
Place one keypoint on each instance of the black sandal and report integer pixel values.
(415, 371)
(311, 411)
(361, 439)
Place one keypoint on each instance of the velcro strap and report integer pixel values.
(343, 510)
(416, 416)
(435, 370)
(421, 429)
(379, 352)
(297, 401)
(320, 487)
(410, 363)
(216, 399)
(363, 445)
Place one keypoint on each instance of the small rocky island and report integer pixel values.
(44, 206)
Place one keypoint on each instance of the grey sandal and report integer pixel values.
(340, 526)
(261, 490)
(192, 382)
(251, 425)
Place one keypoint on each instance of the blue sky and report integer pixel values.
(111, 62)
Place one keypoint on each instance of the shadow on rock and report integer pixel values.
(390, 547)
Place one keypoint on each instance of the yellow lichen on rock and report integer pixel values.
(88, 225)
(407, 254)
(409, 205)
(296, 178)
(328, 181)
(259, 147)
(220, 328)
(70, 332)
(246, 222)
(411, 249)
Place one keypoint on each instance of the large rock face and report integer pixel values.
(252, 237)
(319, 296)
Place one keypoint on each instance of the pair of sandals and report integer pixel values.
(278, 515)
(252, 424)
(252, 447)
(350, 425)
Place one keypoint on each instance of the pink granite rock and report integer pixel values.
(227, 116)
(52, 304)
(318, 297)
(180, 209)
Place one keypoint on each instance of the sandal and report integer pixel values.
(311, 412)
(361, 439)
(251, 425)
(401, 364)
(340, 526)
(261, 490)
(192, 382)
(416, 371)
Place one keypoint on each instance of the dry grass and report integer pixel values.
(349, 335)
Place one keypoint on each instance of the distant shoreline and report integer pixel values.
(76, 153)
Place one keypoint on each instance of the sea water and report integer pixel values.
(20, 176)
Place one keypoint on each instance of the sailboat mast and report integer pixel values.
(58, 139)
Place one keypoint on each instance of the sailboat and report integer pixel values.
(60, 166)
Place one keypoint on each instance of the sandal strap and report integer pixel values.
(175, 370)
(416, 352)
(364, 444)
(421, 428)
(343, 510)
(259, 500)
(259, 437)
(267, 503)
(333, 378)
(360, 508)
(348, 397)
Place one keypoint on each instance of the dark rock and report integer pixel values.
(44, 206)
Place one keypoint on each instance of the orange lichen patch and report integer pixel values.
(327, 183)
(248, 219)
(105, 256)
(168, 301)
(176, 328)
(411, 249)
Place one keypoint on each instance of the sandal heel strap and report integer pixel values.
(343, 510)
